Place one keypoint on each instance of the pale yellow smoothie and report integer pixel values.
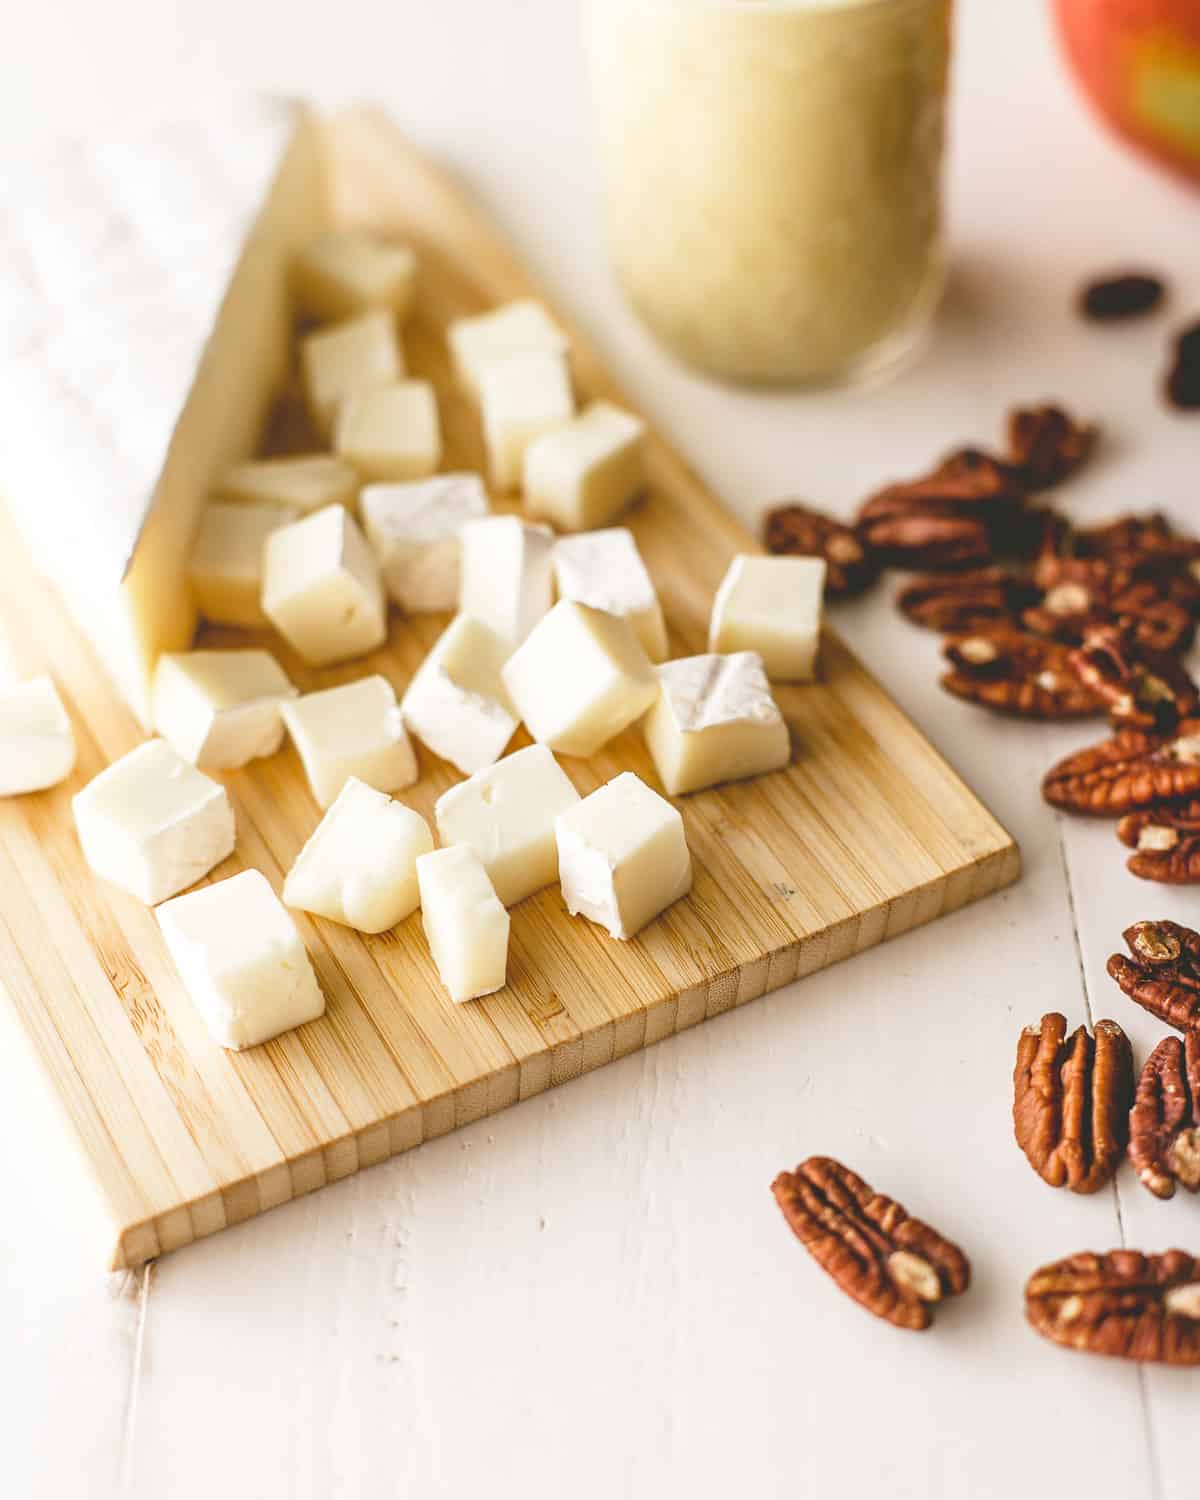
(772, 176)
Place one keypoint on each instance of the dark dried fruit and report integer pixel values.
(894, 1266)
(1128, 295)
(954, 602)
(1133, 1306)
(1163, 973)
(1132, 769)
(1071, 1101)
(799, 531)
(1047, 444)
(1140, 687)
(1166, 843)
(1011, 673)
(1183, 378)
(1164, 1127)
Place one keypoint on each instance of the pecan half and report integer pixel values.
(1071, 1101)
(1047, 444)
(1133, 768)
(1080, 592)
(800, 531)
(1134, 1306)
(1141, 687)
(894, 1266)
(1164, 1127)
(1011, 673)
(1166, 843)
(1162, 975)
(1183, 378)
(1130, 294)
(1124, 536)
(955, 602)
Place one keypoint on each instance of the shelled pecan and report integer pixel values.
(1166, 843)
(800, 531)
(1071, 1101)
(1079, 592)
(1132, 769)
(1047, 444)
(893, 1265)
(1162, 974)
(1141, 687)
(1129, 294)
(1126, 536)
(955, 602)
(1126, 1304)
(1164, 1127)
(1012, 673)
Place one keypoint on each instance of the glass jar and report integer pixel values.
(772, 173)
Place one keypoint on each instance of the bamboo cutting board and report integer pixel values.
(867, 834)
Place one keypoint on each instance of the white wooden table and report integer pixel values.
(593, 1294)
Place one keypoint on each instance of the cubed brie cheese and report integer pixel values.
(507, 574)
(241, 960)
(771, 605)
(465, 923)
(226, 566)
(580, 678)
(152, 824)
(523, 327)
(220, 709)
(604, 570)
(506, 814)
(457, 702)
(583, 474)
(413, 531)
(360, 354)
(360, 866)
(321, 588)
(392, 432)
(37, 743)
(522, 397)
(352, 730)
(714, 720)
(344, 272)
(306, 483)
(622, 856)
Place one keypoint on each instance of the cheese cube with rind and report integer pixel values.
(153, 824)
(37, 743)
(771, 605)
(506, 813)
(521, 327)
(226, 565)
(305, 483)
(623, 856)
(465, 923)
(522, 397)
(344, 272)
(583, 474)
(604, 570)
(714, 720)
(457, 703)
(321, 588)
(391, 432)
(360, 865)
(360, 354)
(220, 709)
(413, 530)
(241, 960)
(507, 574)
(580, 678)
(352, 730)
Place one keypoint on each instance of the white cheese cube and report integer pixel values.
(37, 743)
(506, 814)
(457, 702)
(306, 483)
(226, 566)
(622, 856)
(522, 397)
(714, 720)
(392, 432)
(771, 605)
(360, 354)
(585, 473)
(152, 824)
(523, 327)
(413, 531)
(360, 866)
(344, 272)
(507, 574)
(220, 709)
(241, 960)
(321, 588)
(464, 921)
(580, 678)
(352, 730)
(604, 570)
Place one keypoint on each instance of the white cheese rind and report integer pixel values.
(522, 397)
(308, 482)
(352, 730)
(413, 530)
(583, 474)
(359, 354)
(152, 824)
(392, 432)
(465, 923)
(225, 568)
(604, 570)
(220, 709)
(37, 743)
(771, 605)
(522, 327)
(241, 960)
(321, 588)
(345, 272)
(506, 813)
(507, 574)
(457, 703)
